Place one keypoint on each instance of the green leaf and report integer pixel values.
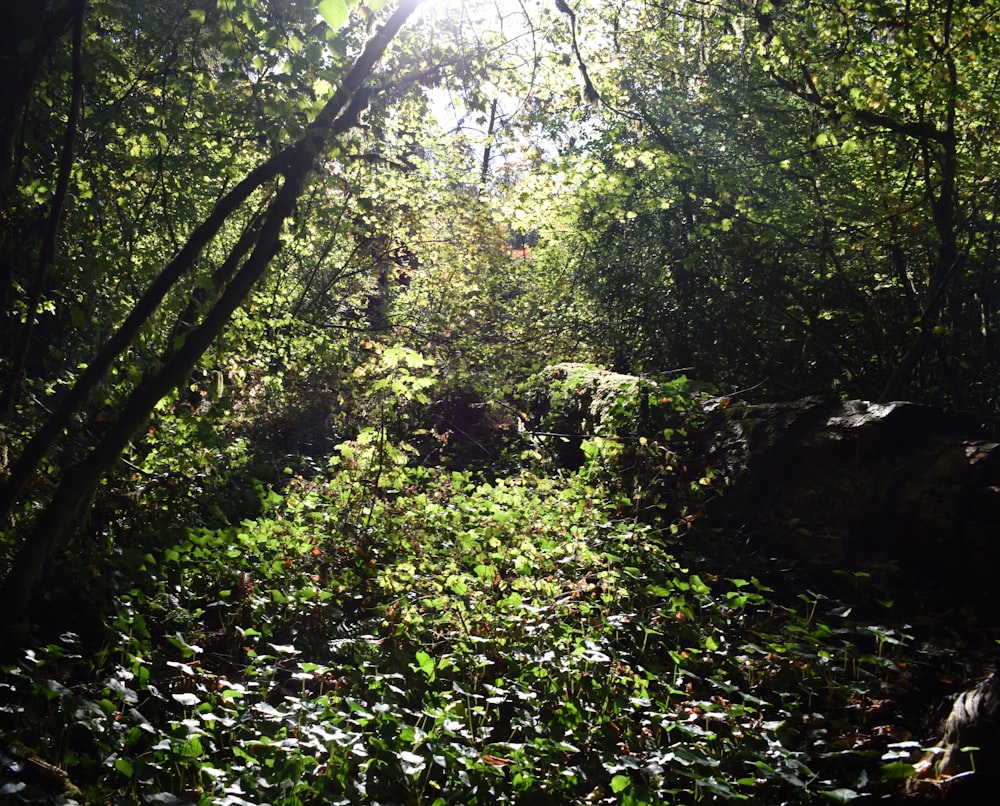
(425, 663)
(334, 12)
(698, 585)
(620, 783)
(896, 770)
(322, 88)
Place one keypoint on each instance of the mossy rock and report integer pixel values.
(571, 402)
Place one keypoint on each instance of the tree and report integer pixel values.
(288, 171)
(914, 81)
(815, 177)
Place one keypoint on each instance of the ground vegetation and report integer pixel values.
(355, 366)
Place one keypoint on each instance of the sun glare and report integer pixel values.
(507, 17)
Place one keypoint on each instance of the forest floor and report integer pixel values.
(390, 634)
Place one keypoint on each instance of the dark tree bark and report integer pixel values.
(484, 174)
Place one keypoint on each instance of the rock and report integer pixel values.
(571, 402)
(974, 722)
(858, 481)
(852, 484)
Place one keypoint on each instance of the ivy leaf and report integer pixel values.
(620, 783)
(896, 770)
(425, 663)
(334, 12)
(412, 763)
(698, 585)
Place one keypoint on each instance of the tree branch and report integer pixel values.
(919, 130)
(67, 510)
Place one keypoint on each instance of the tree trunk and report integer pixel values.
(29, 31)
(68, 509)
(47, 253)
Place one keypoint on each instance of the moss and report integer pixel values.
(589, 397)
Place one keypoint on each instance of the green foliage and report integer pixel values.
(406, 635)
(626, 433)
(334, 12)
(761, 205)
(295, 589)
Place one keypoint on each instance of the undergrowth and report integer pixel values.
(389, 634)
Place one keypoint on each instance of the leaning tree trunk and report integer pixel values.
(96, 370)
(68, 509)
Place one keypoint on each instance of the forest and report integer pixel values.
(499, 401)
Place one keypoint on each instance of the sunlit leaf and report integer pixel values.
(425, 663)
(334, 12)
